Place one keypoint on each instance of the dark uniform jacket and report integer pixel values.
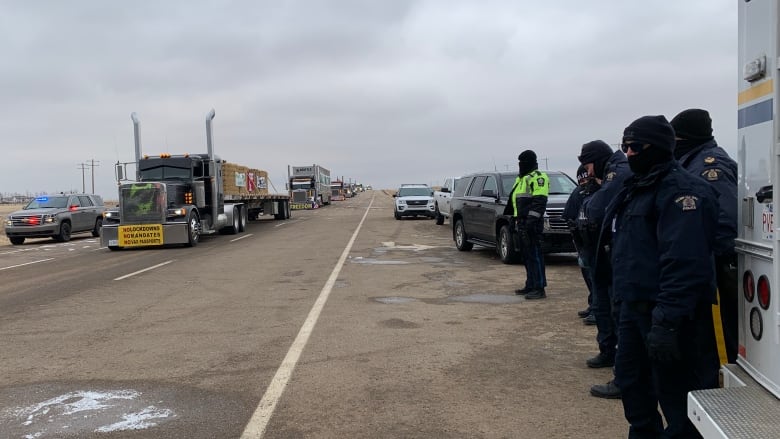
(712, 163)
(662, 229)
(616, 172)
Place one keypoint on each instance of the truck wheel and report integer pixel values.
(16, 240)
(506, 249)
(98, 225)
(114, 248)
(193, 230)
(461, 238)
(236, 222)
(242, 220)
(439, 217)
(64, 235)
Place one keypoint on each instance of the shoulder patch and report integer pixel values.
(709, 160)
(610, 176)
(687, 202)
(540, 181)
(711, 174)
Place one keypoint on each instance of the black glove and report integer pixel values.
(662, 344)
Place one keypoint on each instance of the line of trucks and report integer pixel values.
(175, 199)
(748, 404)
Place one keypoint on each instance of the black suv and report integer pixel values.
(478, 214)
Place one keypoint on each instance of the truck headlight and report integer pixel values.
(9, 223)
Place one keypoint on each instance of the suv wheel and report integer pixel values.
(439, 217)
(461, 240)
(16, 240)
(396, 215)
(98, 225)
(505, 247)
(64, 235)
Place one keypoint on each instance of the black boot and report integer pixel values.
(601, 360)
(523, 291)
(608, 391)
(535, 294)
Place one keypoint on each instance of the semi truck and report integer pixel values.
(309, 186)
(748, 404)
(175, 199)
(337, 190)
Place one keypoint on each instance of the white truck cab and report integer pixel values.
(442, 199)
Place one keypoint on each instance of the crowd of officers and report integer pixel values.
(654, 224)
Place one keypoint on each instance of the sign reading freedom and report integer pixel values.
(140, 235)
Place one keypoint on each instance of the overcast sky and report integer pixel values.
(382, 92)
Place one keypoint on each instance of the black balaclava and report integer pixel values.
(693, 127)
(653, 130)
(527, 162)
(598, 153)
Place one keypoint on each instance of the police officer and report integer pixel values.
(661, 232)
(699, 153)
(527, 205)
(610, 169)
(580, 236)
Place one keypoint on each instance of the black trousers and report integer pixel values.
(645, 384)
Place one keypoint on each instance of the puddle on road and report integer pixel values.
(395, 300)
(493, 299)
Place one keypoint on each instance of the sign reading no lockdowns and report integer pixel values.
(140, 235)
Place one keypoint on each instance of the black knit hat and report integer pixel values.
(527, 156)
(693, 124)
(595, 152)
(654, 130)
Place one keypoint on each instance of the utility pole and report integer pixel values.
(545, 163)
(92, 165)
(83, 167)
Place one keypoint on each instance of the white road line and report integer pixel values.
(145, 269)
(26, 263)
(259, 420)
(242, 237)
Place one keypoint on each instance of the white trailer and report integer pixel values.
(748, 405)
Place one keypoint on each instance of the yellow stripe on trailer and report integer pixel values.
(757, 91)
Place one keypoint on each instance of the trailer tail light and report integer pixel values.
(748, 286)
(756, 324)
(763, 292)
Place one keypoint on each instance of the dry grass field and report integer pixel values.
(5, 209)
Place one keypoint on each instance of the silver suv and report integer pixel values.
(56, 216)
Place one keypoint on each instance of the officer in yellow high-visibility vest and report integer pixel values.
(529, 201)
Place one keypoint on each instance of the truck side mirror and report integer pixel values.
(120, 171)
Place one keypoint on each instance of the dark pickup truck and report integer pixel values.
(478, 214)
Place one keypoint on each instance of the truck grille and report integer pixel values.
(556, 222)
(299, 196)
(142, 203)
(26, 220)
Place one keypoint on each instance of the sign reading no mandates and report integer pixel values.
(140, 235)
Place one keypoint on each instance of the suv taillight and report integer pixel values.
(763, 292)
(748, 286)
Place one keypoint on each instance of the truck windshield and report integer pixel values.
(165, 173)
(299, 186)
(50, 202)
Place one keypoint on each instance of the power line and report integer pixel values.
(92, 165)
(83, 167)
